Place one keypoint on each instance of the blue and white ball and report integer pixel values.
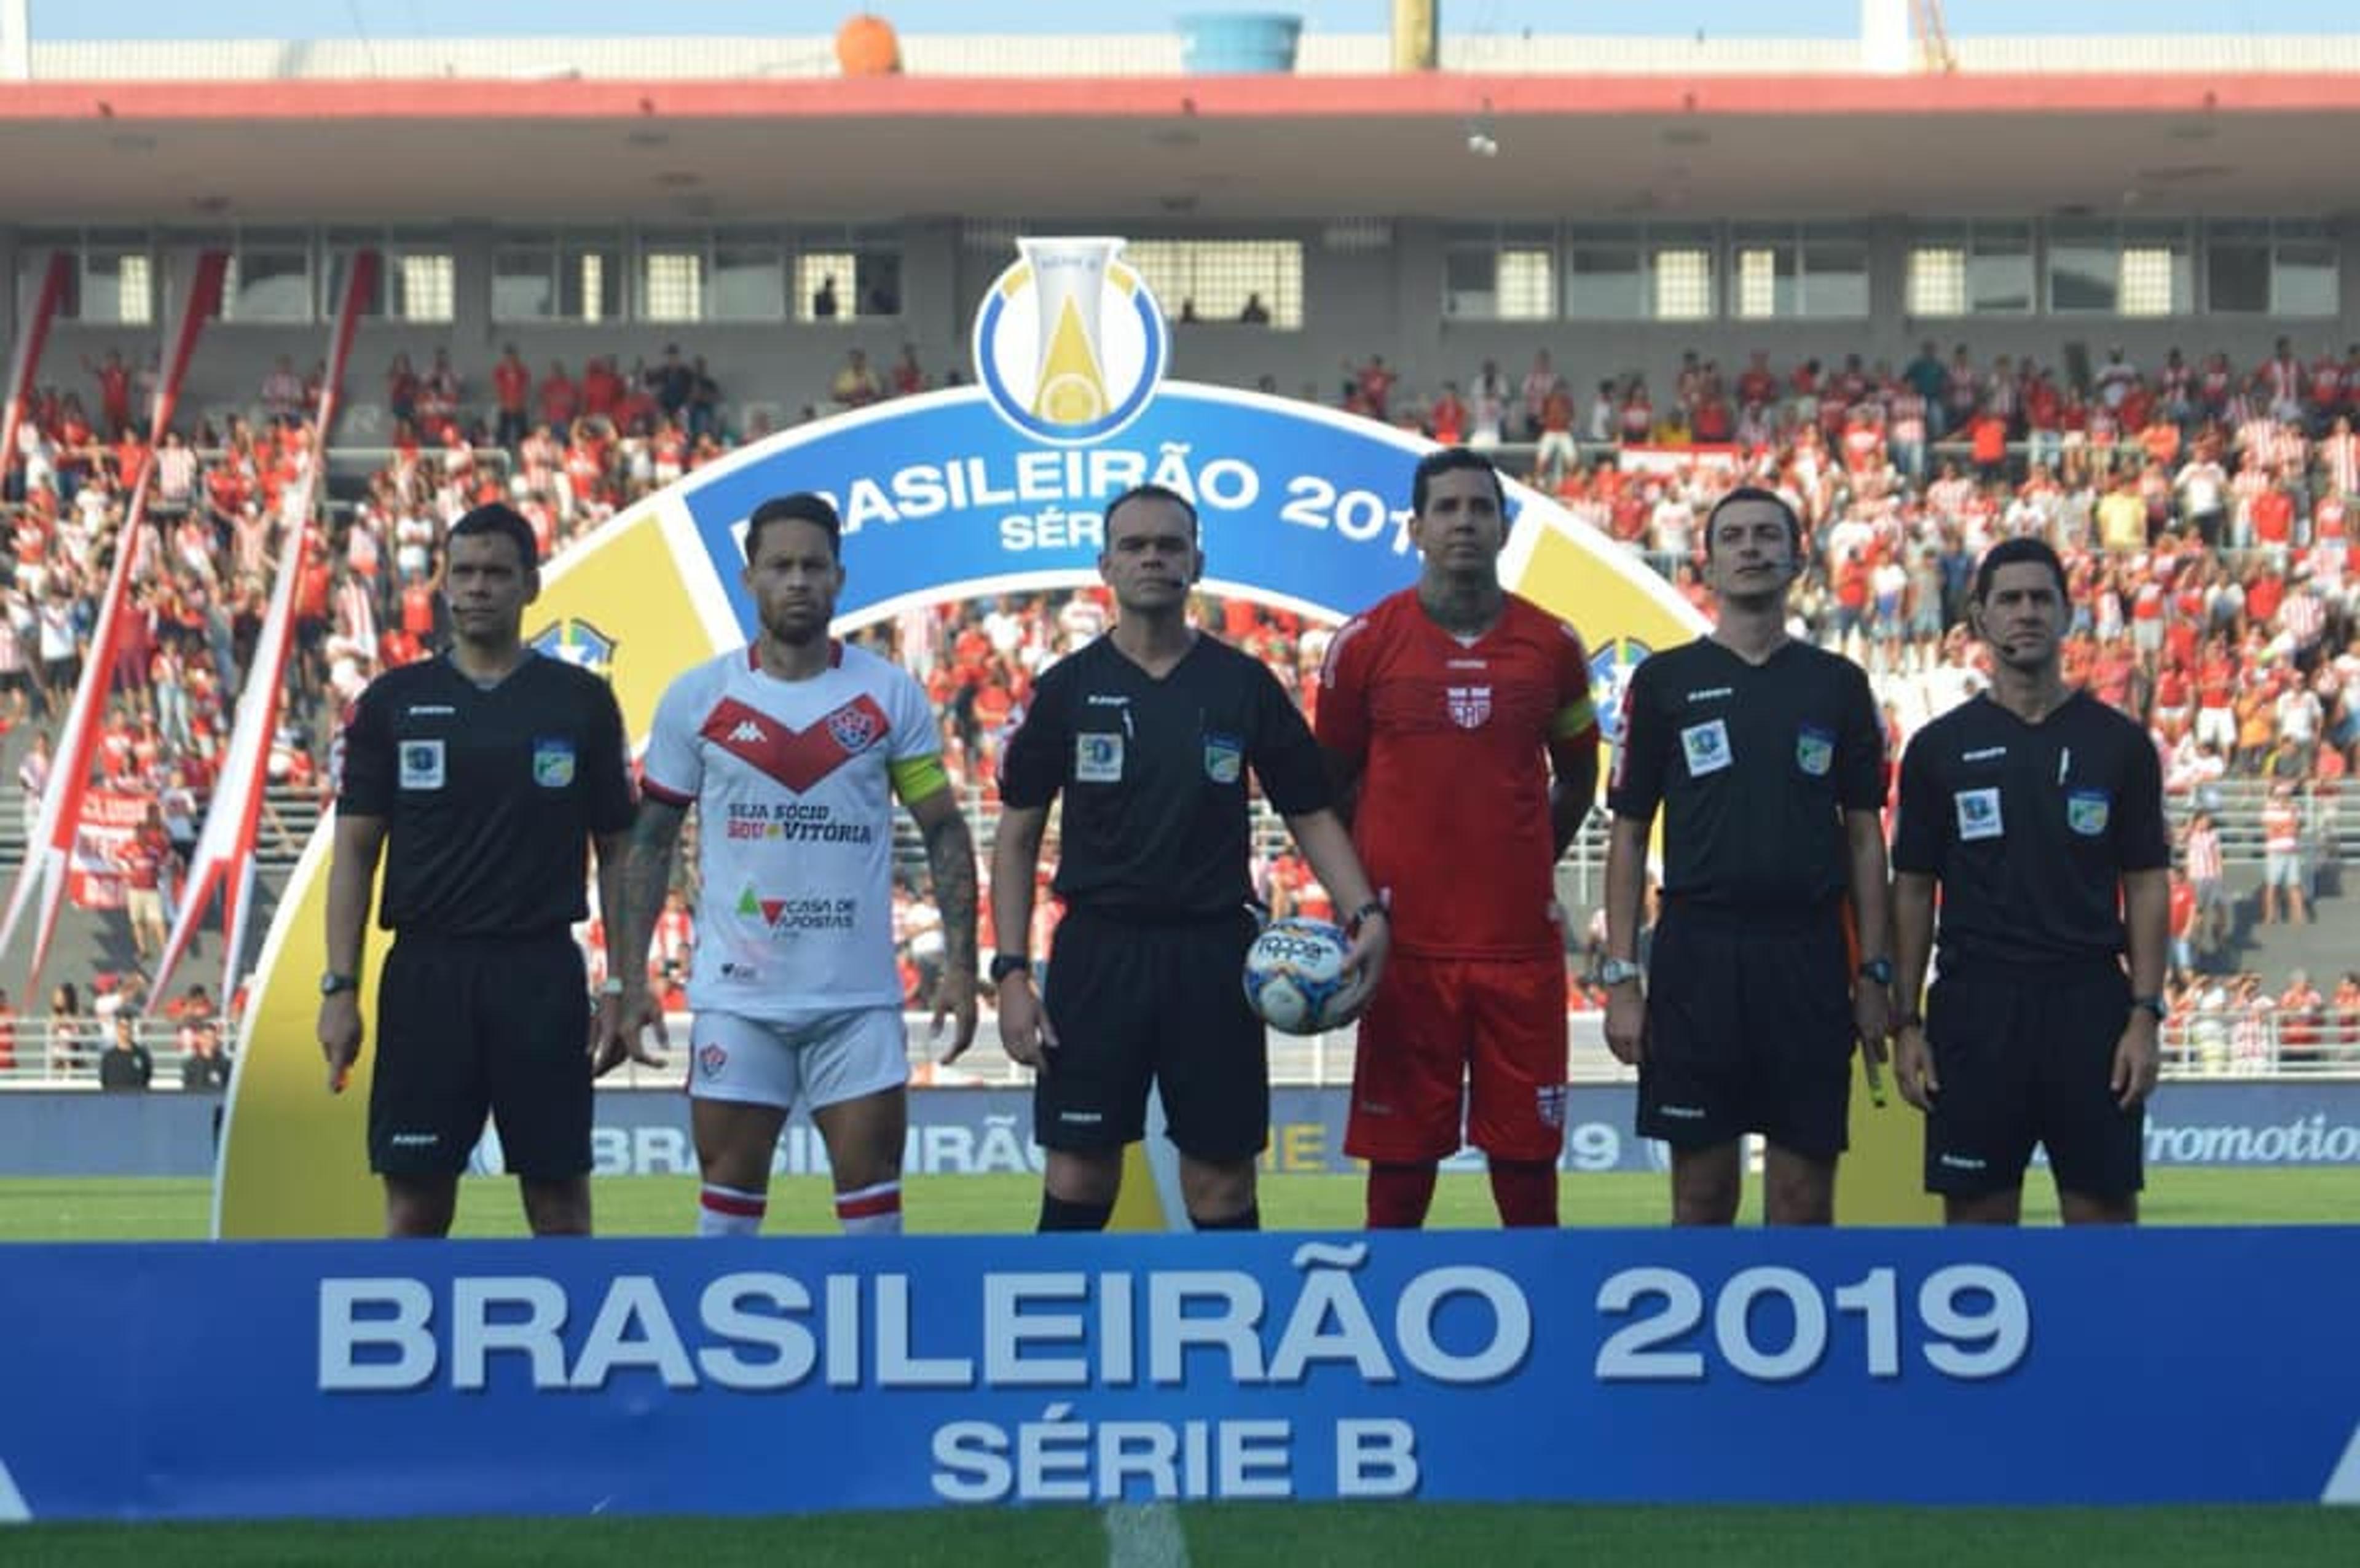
(1295, 977)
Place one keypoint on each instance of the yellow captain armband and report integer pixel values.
(915, 777)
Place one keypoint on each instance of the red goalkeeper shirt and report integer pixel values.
(1452, 738)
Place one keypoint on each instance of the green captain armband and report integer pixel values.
(1572, 719)
(915, 777)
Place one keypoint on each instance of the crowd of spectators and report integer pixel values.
(2203, 510)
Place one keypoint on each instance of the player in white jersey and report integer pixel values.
(793, 750)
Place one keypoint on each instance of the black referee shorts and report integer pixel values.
(1749, 1029)
(2027, 1057)
(474, 1026)
(1136, 1005)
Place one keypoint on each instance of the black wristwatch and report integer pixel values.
(332, 982)
(2154, 1004)
(1877, 971)
(1004, 965)
(1373, 907)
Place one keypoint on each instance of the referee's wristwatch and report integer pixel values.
(333, 984)
(1004, 965)
(1877, 971)
(2154, 1004)
(1373, 909)
(1619, 971)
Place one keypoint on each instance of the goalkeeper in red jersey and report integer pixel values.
(1458, 716)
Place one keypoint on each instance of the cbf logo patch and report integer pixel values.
(2086, 811)
(712, 1059)
(1815, 750)
(1070, 343)
(1225, 757)
(421, 764)
(578, 643)
(1705, 746)
(552, 763)
(1470, 706)
(1610, 676)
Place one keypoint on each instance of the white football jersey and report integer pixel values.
(793, 782)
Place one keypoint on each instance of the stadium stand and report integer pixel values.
(2197, 471)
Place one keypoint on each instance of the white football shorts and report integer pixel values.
(820, 1059)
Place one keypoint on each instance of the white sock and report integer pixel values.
(730, 1211)
(870, 1211)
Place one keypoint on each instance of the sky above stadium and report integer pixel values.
(77, 19)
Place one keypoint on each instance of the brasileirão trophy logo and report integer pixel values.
(1070, 343)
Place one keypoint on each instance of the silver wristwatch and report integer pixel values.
(1614, 971)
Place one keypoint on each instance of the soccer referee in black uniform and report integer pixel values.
(1767, 760)
(1149, 733)
(479, 775)
(2039, 810)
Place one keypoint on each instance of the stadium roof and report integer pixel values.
(553, 130)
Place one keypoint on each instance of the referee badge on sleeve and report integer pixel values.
(2086, 811)
(552, 763)
(421, 764)
(1815, 750)
(1225, 758)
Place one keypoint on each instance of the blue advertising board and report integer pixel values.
(2090, 1366)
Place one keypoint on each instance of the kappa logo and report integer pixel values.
(1470, 706)
(749, 733)
(1070, 345)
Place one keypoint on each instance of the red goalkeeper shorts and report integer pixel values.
(1447, 1040)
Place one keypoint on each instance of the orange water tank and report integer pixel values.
(867, 46)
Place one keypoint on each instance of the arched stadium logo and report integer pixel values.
(1070, 343)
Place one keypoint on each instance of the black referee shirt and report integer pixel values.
(489, 797)
(1154, 773)
(1754, 767)
(2029, 828)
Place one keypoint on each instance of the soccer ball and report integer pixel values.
(1295, 977)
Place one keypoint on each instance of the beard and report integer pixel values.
(795, 629)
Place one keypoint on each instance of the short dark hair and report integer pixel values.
(494, 520)
(1766, 497)
(1452, 459)
(2014, 553)
(1151, 493)
(801, 506)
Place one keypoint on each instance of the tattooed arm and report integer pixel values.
(639, 889)
(950, 857)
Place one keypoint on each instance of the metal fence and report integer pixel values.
(2252, 1043)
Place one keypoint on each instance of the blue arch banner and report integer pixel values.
(940, 498)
